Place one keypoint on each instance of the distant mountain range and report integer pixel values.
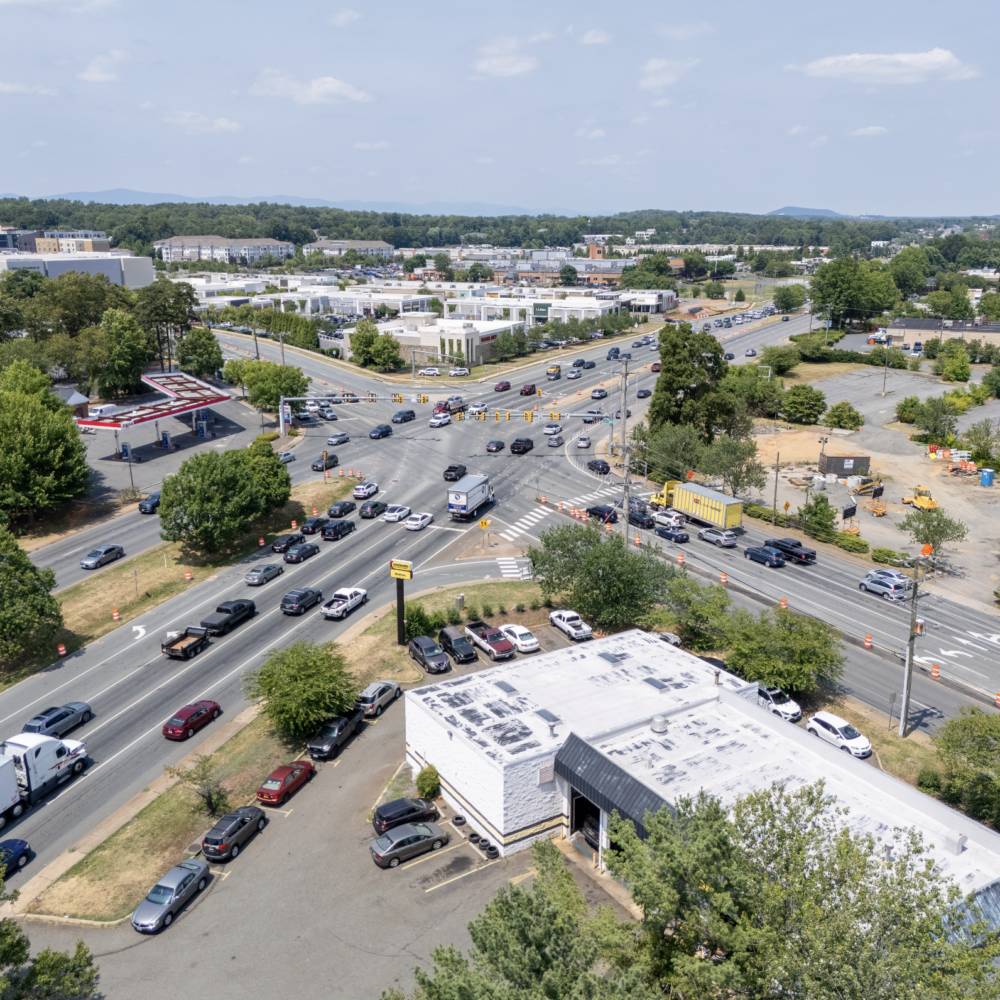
(125, 196)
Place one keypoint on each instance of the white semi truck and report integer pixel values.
(31, 766)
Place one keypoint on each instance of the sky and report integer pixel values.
(585, 106)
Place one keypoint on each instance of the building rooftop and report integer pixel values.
(591, 689)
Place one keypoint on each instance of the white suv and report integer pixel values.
(840, 733)
(669, 518)
(776, 701)
(723, 539)
(570, 623)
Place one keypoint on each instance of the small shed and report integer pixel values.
(840, 465)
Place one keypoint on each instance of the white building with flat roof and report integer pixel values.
(551, 746)
(429, 335)
(120, 269)
(178, 248)
(364, 248)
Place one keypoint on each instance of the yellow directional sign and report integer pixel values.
(787, 505)
(400, 570)
(484, 524)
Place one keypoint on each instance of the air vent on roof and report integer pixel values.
(610, 657)
(545, 714)
(659, 724)
(653, 682)
(505, 687)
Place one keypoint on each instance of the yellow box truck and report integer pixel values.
(708, 506)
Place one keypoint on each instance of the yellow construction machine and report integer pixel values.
(921, 499)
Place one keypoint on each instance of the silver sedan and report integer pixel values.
(262, 574)
(164, 901)
(99, 556)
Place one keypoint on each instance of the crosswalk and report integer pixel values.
(608, 491)
(509, 569)
(526, 525)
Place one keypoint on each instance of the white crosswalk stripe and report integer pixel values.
(510, 537)
(509, 568)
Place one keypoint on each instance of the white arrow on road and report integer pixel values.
(140, 630)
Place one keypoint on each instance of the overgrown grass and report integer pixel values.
(110, 881)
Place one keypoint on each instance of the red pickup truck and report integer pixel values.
(491, 640)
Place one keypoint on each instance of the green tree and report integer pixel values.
(214, 498)
(126, 354)
(442, 263)
(508, 346)
(853, 289)
(479, 272)
(71, 302)
(43, 461)
(844, 415)
(989, 306)
(385, 355)
(952, 363)
(695, 264)
(788, 298)
(761, 396)
(779, 359)
(164, 309)
(736, 462)
(701, 613)
(11, 316)
(909, 269)
(936, 417)
(302, 686)
(686, 390)
(653, 272)
(819, 518)
(793, 652)
(673, 450)
(567, 275)
(199, 353)
(740, 295)
(55, 975)
(953, 304)
(610, 584)
(234, 372)
(268, 381)
(715, 290)
(802, 404)
(362, 341)
(30, 616)
(933, 527)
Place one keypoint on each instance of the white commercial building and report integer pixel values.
(554, 744)
(178, 248)
(430, 336)
(121, 269)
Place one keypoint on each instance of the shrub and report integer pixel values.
(534, 604)
(519, 607)
(928, 780)
(417, 622)
(501, 610)
(438, 621)
(429, 783)
(844, 415)
(548, 603)
(913, 364)
(487, 610)
(268, 438)
(454, 617)
(893, 558)
(906, 409)
(471, 612)
(851, 543)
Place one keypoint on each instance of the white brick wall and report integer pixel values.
(532, 810)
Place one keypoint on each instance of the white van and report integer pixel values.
(104, 410)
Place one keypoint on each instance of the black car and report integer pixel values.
(313, 525)
(226, 839)
(625, 354)
(297, 602)
(373, 508)
(579, 363)
(603, 512)
(641, 519)
(321, 464)
(428, 654)
(455, 642)
(334, 733)
(341, 508)
(521, 446)
(643, 394)
(337, 529)
(403, 416)
(400, 811)
(672, 534)
(149, 505)
(454, 472)
(587, 365)
(599, 465)
(284, 542)
(495, 446)
(380, 431)
(729, 356)
(300, 553)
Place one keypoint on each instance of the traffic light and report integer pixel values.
(422, 399)
(459, 416)
(496, 413)
(397, 398)
(529, 416)
(539, 391)
(508, 415)
(324, 458)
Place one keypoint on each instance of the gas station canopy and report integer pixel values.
(184, 393)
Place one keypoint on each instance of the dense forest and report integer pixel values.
(137, 226)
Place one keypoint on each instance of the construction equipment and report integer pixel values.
(869, 485)
(876, 508)
(853, 527)
(921, 499)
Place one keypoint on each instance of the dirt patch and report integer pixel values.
(496, 548)
(805, 372)
(800, 445)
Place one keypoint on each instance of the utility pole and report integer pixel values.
(916, 628)
(281, 339)
(777, 460)
(626, 451)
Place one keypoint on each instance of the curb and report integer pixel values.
(36, 885)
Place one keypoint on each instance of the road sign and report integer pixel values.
(787, 505)
(400, 570)
(484, 524)
(927, 549)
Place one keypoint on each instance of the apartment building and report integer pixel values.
(364, 248)
(228, 251)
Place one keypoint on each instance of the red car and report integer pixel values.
(501, 387)
(284, 782)
(189, 719)
(528, 390)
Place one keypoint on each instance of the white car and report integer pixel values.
(575, 373)
(339, 438)
(553, 429)
(286, 456)
(583, 441)
(417, 522)
(570, 623)
(669, 519)
(440, 419)
(840, 733)
(312, 405)
(654, 347)
(775, 700)
(522, 640)
(343, 601)
(456, 372)
(365, 490)
(396, 513)
(429, 371)
(477, 408)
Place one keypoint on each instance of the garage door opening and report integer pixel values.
(585, 822)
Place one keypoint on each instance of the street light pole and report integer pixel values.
(627, 478)
(904, 709)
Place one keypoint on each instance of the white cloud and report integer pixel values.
(195, 123)
(26, 88)
(485, 159)
(642, 119)
(101, 69)
(589, 133)
(661, 102)
(504, 57)
(818, 141)
(343, 18)
(322, 90)
(684, 32)
(870, 130)
(372, 145)
(899, 67)
(595, 37)
(796, 129)
(246, 159)
(659, 73)
(605, 161)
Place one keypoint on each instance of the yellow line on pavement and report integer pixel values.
(457, 877)
(435, 854)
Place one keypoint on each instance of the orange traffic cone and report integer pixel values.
(115, 616)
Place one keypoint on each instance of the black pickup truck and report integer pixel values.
(228, 615)
(333, 733)
(184, 645)
(793, 550)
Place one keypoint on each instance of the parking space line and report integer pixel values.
(284, 812)
(221, 874)
(435, 854)
(457, 877)
(518, 879)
